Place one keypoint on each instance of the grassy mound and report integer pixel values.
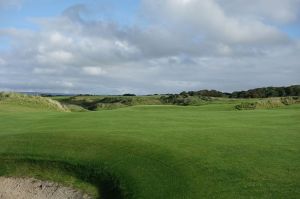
(17, 100)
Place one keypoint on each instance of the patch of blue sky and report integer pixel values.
(4, 43)
(123, 12)
(292, 30)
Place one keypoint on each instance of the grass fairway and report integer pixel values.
(158, 152)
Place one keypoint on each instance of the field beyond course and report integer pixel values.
(157, 151)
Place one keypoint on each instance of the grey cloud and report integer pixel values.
(278, 11)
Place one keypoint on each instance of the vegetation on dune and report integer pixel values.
(94, 103)
(268, 103)
(246, 106)
(34, 102)
(75, 108)
(97, 103)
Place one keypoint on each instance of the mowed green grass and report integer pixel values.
(159, 152)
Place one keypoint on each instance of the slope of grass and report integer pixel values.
(159, 152)
(17, 102)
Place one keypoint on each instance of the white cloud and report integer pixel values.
(58, 56)
(66, 84)
(94, 71)
(208, 18)
(58, 39)
(224, 49)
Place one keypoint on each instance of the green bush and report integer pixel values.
(185, 100)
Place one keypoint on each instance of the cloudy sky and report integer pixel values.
(147, 46)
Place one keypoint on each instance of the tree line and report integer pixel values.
(264, 92)
(268, 92)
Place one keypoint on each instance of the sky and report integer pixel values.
(146, 46)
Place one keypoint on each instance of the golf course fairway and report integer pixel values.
(157, 152)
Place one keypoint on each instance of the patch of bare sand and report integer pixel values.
(29, 188)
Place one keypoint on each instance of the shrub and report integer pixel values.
(246, 106)
(268, 103)
(184, 100)
(289, 100)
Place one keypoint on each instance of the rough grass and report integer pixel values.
(23, 101)
(267, 103)
(159, 152)
(75, 108)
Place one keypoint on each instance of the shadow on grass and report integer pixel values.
(108, 186)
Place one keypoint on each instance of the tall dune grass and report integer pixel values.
(31, 101)
(268, 103)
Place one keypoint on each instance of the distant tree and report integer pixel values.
(129, 94)
(281, 92)
(184, 94)
(192, 93)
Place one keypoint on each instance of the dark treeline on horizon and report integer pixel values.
(264, 92)
(193, 97)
